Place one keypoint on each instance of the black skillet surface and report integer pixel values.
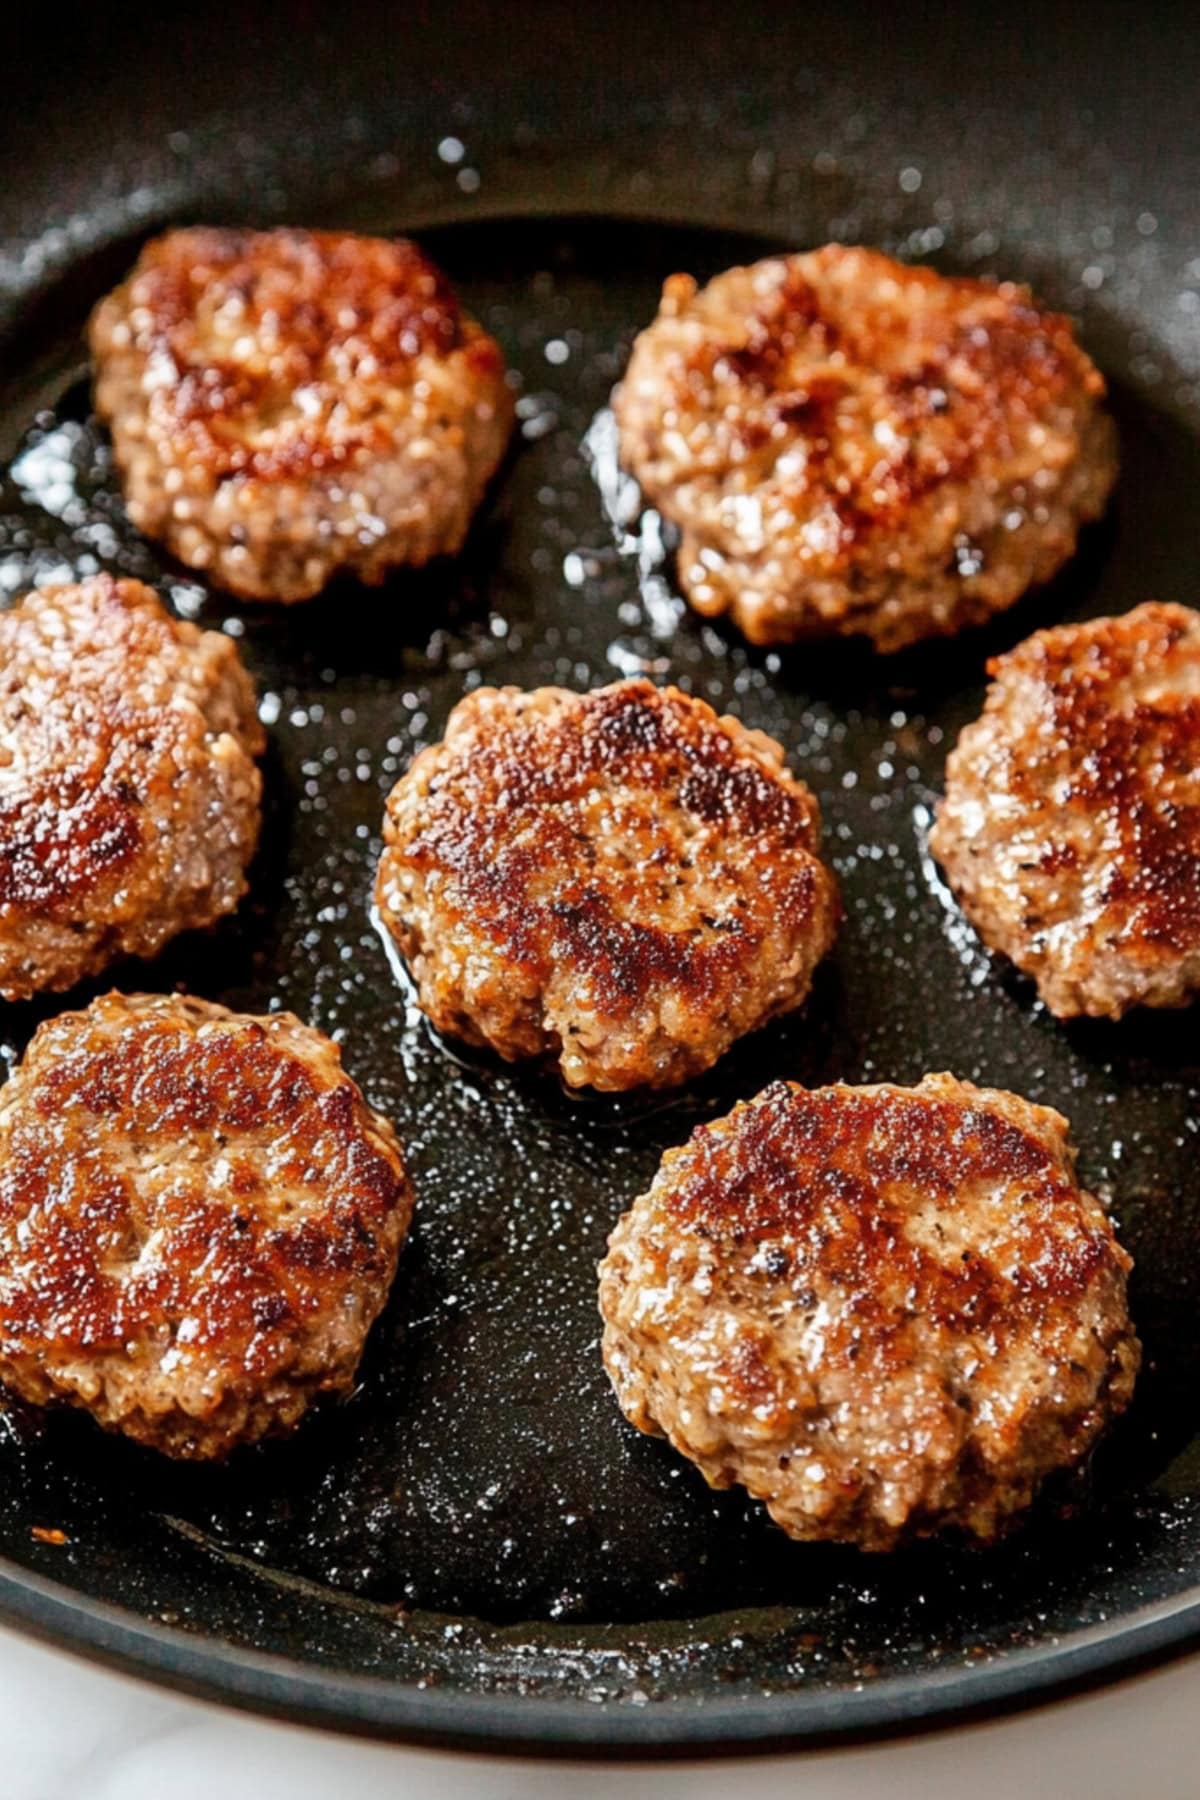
(477, 1546)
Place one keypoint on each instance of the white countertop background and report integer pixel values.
(73, 1731)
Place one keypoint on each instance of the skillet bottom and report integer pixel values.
(479, 1518)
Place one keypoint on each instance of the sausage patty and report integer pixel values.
(1070, 830)
(199, 1221)
(848, 445)
(883, 1310)
(619, 879)
(288, 404)
(129, 794)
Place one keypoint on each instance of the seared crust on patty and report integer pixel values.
(1070, 829)
(619, 879)
(288, 404)
(885, 1311)
(849, 445)
(199, 1221)
(129, 794)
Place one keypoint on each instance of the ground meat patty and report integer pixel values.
(618, 879)
(848, 445)
(129, 794)
(883, 1310)
(1070, 830)
(199, 1221)
(288, 404)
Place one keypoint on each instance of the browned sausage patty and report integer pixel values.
(129, 794)
(848, 445)
(883, 1310)
(1070, 830)
(199, 1221)
(617, 879)
(288, 404)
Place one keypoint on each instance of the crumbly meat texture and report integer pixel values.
(200, 1219)
(849, 445)
(885, 1311)
(620, 880)
(286, 405)
(129, 792)
(1070, 828)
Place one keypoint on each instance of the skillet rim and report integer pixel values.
(375, 1707)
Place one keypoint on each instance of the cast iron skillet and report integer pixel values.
(476, 1547)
